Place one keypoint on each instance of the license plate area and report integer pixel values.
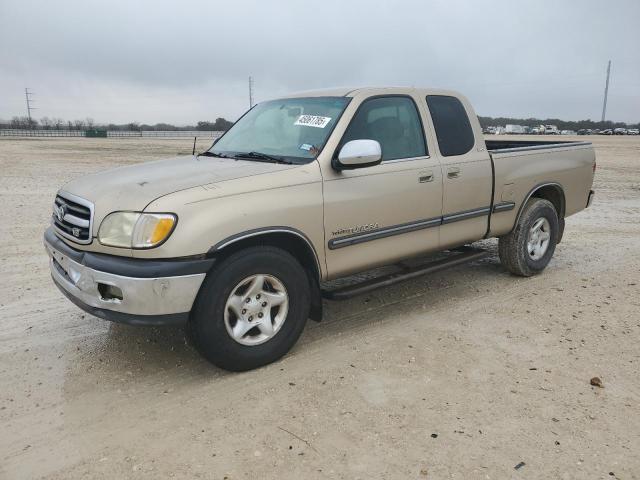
(62, 264)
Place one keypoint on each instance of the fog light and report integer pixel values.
(109, 292)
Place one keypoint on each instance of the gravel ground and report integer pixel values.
(466, 374)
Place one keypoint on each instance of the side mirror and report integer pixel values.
(358, 154)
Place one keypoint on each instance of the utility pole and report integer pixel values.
(606, 92)
(27, 96)
(250, 92)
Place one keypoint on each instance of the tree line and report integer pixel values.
(574, 125)
(46, 123)
(222, 125)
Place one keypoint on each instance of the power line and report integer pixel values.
(606, 92)
(27, 96)
(250, 92)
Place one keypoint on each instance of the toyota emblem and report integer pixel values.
(60, 211)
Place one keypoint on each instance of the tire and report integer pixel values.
(219, 312)
(513, 248)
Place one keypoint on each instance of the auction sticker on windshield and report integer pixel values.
(312, 121)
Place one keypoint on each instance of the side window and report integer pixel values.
(392, 121)
(451, 123)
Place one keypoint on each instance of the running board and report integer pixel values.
(466, 254)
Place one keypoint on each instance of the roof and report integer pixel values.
(323, 92)
(353, 91)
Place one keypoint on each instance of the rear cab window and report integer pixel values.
(451, 123)
(394, 122)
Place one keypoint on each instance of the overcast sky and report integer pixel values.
(184, 61)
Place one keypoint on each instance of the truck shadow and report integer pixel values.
(153, 349)
(418, 296)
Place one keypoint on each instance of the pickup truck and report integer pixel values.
(242, 242)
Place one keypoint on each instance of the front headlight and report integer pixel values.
(135, 229)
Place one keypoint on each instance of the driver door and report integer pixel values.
(380, 214)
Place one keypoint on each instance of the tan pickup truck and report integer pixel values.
(240, 243)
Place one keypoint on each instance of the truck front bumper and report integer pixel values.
(126, 290)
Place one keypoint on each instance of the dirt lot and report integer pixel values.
(463, 374)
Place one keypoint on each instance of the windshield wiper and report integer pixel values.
(212, 154)
(262, 157)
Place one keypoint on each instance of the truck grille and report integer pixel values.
(72, 217)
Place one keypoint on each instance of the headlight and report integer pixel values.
(135, 229)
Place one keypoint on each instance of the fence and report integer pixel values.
(14, 132)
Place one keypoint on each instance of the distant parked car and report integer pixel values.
(584, 131)
(606, 131)
(620, 131)
(595, 131)
(551, 130)
(633, 131)
(514, 129)
(567, 132)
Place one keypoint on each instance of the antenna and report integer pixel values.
(27, 96)
(250, 92)
(606, 92)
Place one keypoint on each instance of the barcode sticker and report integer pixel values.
(312, 121)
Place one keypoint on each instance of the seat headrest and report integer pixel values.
(387, 128)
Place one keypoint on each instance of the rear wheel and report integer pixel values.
(528, 248)
(251, 309)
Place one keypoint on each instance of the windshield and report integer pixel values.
(294, 129)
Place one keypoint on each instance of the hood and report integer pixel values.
(134, 187)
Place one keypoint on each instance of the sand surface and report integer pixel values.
(462, 374)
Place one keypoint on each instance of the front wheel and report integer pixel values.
(528, 248)
(251, 309)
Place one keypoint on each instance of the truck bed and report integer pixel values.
(522, 166)
(521, 145)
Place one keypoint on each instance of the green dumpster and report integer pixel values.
(95, 133)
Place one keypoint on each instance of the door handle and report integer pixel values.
(453, 172)
(426, 177)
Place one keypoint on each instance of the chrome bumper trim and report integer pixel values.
(140, 296)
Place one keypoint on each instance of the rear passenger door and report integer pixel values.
(466, 170)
